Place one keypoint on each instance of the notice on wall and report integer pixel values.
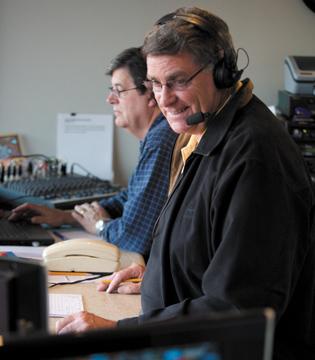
(85, 143)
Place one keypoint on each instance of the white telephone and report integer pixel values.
(88, 255)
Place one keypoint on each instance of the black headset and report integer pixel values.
(225, 71)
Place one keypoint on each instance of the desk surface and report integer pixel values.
(109, 306)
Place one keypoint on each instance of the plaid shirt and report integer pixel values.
(135, 209)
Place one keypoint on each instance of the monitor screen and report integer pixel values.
(23, 297)
(223, 336)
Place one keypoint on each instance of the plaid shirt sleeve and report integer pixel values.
(138, 207)
(115, 204)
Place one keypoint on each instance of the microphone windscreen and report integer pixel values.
(195, 119)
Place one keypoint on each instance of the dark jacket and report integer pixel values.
(236, 233)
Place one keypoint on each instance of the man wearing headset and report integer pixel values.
(126, 219)
(237, 231)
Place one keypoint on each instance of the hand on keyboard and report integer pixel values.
(39, 214)
(22, 213)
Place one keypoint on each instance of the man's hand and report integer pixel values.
(118, 280)
(82, 321)
(40, 214)
(88, 215)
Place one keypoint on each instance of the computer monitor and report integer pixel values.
(246, 335)
(23, 297)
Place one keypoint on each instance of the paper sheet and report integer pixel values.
(29, 252)
(64, 304)
(86, 139)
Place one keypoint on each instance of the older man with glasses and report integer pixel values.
(237, 232)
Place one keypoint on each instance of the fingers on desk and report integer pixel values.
(129, 288)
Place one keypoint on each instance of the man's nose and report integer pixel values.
(112, 99)
(166, 96)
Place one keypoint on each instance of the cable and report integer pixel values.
(78, 281)
(247, 56)
(88, 173)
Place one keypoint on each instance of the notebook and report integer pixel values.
(244, 335)
(23, 233)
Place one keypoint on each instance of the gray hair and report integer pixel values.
(191, 30)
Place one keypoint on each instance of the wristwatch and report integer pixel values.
(100, 226)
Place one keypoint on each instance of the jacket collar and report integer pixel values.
(218, 126)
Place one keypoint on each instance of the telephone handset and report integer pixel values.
(88, 255)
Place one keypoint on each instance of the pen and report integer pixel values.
(132, 280)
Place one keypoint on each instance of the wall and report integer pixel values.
(54, 53)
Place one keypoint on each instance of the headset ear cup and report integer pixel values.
(224, 76)
(218, 74)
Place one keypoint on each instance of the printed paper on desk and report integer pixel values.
(86, 139)
(64, 304)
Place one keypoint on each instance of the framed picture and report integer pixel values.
(9, 146)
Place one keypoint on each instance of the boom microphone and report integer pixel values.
(199, 117)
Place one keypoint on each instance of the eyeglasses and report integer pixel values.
(174, 84)
(117, 92)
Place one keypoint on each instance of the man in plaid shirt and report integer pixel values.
(126, 219)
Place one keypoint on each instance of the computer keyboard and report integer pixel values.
(23, 233)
